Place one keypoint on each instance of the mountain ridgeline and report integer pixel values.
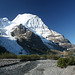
(27, 34)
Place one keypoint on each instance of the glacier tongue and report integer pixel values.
(11, 45)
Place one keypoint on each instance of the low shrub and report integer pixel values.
(54, 57)
(28, 57)
(34, 57)
(23, 57)
(8, 56)
(72, 60)
(43, 56)
(63, 62)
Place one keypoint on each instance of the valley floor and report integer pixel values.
(39, 67)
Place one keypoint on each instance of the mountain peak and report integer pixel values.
(4, 22)
(27, 14)
(22, 18)
(5, 19)
(33, 23)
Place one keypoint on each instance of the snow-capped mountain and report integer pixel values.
(35, 25)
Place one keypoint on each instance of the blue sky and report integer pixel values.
(58, 15)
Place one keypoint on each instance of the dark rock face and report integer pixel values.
(61, 40)
(28, 40)
(2, 50)
(63, 43)
(72, 48)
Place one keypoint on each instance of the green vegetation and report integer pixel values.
(70, 53)
(64, 62)
(72, 60)
(23, 57)
(7, 55)
(37, 57)
(54, 57)
(44, 56)
(68, 60)
(28, 57)
(34, 57)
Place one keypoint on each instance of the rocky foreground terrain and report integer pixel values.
(39, 67)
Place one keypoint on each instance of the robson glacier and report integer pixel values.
(33, 23)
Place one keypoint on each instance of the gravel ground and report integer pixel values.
(18, 69)
(39, 67)
(49, 67)
(6, 62)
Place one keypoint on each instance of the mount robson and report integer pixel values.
(27, 34)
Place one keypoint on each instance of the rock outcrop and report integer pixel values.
(28, 40)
